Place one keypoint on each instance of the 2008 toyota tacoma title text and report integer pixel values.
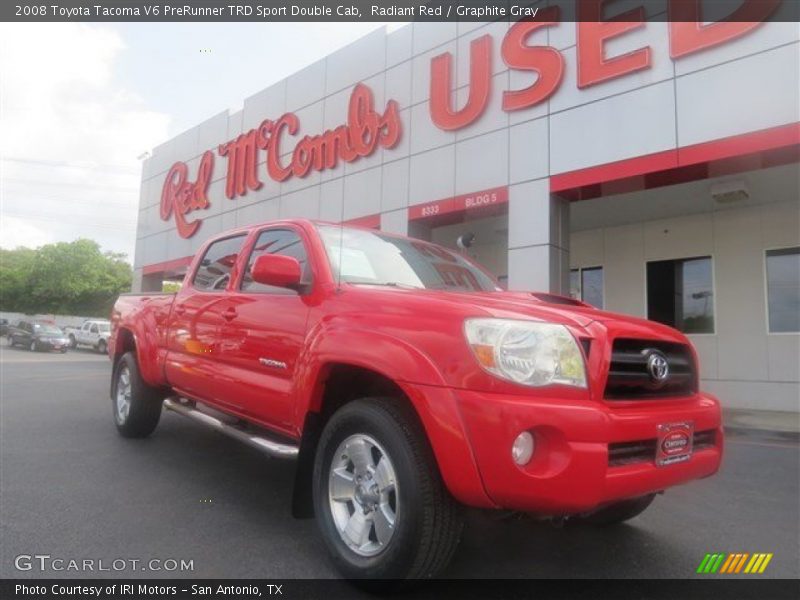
(406, 383)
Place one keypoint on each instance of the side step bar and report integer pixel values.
(260, 442)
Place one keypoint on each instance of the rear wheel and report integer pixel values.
(619, 512)
(73, 343)
(34, 347)
(11, 341)
(137, 406)
(381, 506)
(102, 348)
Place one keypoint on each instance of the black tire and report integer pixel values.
(63, 351)
(34, 347)
(73, 343)
(11, 342)
(428, 521)
(144, 403)
(102, 347)
(619, 512)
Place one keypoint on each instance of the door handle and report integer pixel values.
(229, 314)
(180, 309)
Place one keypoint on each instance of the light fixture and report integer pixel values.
(522, 449)
(728, 192)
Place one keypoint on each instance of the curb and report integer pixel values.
(772, 435)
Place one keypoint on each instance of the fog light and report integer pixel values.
(522, 450)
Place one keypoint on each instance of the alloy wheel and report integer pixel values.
(363, 495)
(123, 396)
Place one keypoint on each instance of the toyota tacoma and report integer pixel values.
(407, 384)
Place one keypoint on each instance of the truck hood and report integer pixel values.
(528, 305)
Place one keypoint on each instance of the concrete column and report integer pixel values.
(136, 283)
(395, 221)
(152, 283)
(538, 239)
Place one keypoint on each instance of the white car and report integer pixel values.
(92, 333)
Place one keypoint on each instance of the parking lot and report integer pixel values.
(73, 489)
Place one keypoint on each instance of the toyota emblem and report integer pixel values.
(657, 367)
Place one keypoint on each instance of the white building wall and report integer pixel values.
(741, 362)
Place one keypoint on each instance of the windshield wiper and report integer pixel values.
(394, 284)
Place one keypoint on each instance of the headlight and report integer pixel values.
(526, 352)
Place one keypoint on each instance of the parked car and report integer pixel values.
(37, 335)
(93, 333)
(408, 384)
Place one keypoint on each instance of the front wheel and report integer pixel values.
(137, 406)
(619, 512)
(380, 502)
(11, 341)
(34, 347)
(73, 343)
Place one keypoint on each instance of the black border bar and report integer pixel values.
(382, 10)
(744, 588)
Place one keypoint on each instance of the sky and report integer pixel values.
(81, 102)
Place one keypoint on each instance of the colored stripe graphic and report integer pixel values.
(717, 563)
(727, 565)
(741, 562)
(757, 564)
(703, 563)
(721, 562)
(765, 563)
(752, 562)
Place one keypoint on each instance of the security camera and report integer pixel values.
(465, 241)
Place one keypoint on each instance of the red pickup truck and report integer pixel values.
(406, 383)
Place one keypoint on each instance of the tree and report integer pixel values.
(63, 278)
(171, 286)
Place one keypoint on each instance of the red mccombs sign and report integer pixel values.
(364, 132)
(366, 129)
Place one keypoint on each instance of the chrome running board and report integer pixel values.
(259, 442)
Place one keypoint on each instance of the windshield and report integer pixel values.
(47, 329)
(370, 257)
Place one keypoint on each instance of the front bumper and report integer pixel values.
(52, 345)
(570, 471)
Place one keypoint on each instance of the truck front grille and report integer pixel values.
(626, 453)
(630, 379)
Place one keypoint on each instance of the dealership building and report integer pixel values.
(647, 168)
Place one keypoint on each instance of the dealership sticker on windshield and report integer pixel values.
(674, 443)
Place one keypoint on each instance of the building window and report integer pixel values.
(587, 284)
(680, 293)
(783, 290)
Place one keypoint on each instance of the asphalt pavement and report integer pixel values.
(71, 488)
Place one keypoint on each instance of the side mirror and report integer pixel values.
(277, 270)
